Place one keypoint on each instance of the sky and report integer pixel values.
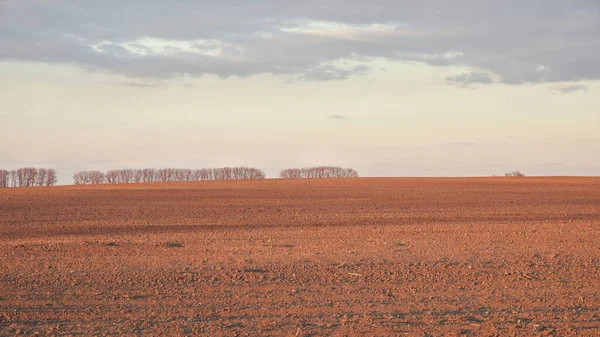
(388, 87)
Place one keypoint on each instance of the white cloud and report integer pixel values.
(151, 46)
(340, 30)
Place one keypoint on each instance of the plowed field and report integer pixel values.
(371, 256)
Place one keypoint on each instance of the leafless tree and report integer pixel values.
(27, 177)
(32, 173)
(95, 177)
(163, 175)
(206, 174)
(514, 174)
(112, 177)
(177, 175)
(138, 175)
(4, 178)
(21, 177)
(148, 175)
(218, 174)
(51, 178)
(318, 172)
(166, 175)
(41, 177)
(186, 175)
(80, 178)
(13, 178)
(291, 173)
(254, 173)
(126, 176)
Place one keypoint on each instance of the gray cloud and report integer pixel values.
(330, 72)
(466, 79)
(516, 41)
(569, 88)
(141, 84)
(337, 117)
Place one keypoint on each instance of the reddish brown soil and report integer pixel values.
(416, 257)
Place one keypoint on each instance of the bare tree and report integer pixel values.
(206, 174)
(4, 178)
(148, 175)
(13, 178)
(21, 177)
(27, 177)
(291, 173)
(250, 173)
(51, 178)
(514, 174)
(138, 176)
(42, 175)
(32, 173)
(123, 176)
(177, 175)
(126, 176)
(163, 175)
(351, 173)
(81, 178)
(186, 174)
(95, 177)
(319, 172)
(112, 177)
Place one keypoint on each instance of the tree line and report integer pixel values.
(318, 172)
(28, 177)
(514, 174)
(149, 175)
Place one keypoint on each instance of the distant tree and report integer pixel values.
(291, 173)
(514, 174)
(32, 173)
(254, 173)
(204, 174)
(126, 176)
(81, 178)
(177, 175)
(112, 177)
(27, 177)
(318, 172)
(4, 178)
(95, 177)
(148, 175)
(163, 175)
(186, 175)
(138, 176)
(21, 177)
(42, 175)
(51, 178)
(13, 178)
(218, 174)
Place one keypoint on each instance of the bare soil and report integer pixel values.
(371, 256)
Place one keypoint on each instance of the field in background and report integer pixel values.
(303, 257)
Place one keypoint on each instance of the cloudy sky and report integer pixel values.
(389, 87)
